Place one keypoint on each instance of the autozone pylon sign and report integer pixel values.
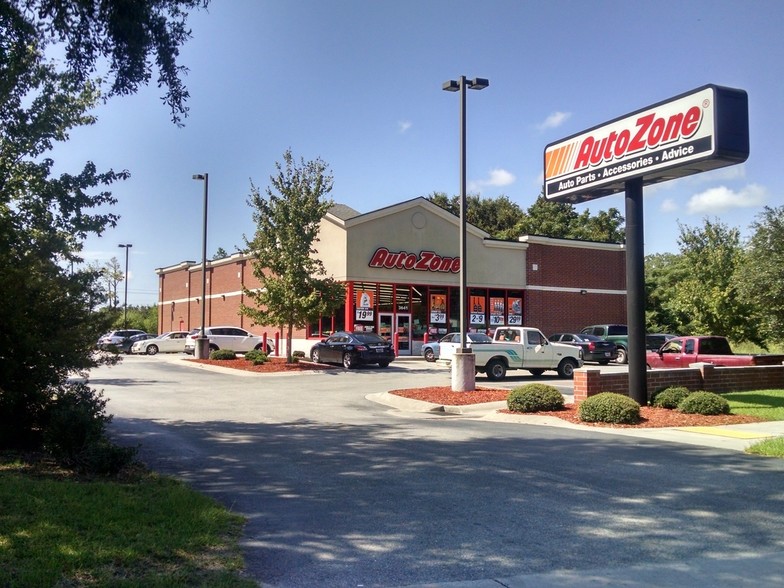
(698, 131)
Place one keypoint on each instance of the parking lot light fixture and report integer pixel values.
(464, 362)
(127, 247)
(202, 349)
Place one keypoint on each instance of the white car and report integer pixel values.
(233, 338)
(171, 342)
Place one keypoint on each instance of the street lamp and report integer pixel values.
(127, 247)
(202, 348)
(464, 362)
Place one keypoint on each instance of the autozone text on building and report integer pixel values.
(424, 261)
(647, 143)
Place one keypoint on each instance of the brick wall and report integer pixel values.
(589, 382)
(572, 284)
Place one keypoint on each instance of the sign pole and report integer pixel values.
(635, 291)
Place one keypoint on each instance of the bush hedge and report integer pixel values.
(609, 407)
(256, 357)
(669, 397)
(223, 354)
(535, 398)
(704, 403)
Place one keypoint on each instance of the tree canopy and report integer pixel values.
(503, 219)
(48, 305)
(294, 287)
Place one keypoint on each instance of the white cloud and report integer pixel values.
(555, 120)
(669, 205)
(716, 200)
(403, 126)
(498, 178)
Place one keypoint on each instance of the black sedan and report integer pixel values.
(592, 348)
(353, 349)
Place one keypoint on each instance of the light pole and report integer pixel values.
(464, 362)
(202, 348)
(127, 247)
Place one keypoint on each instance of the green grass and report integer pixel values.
(766, 404)
(59, 530)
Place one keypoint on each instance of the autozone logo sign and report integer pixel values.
(649, 143)
(424, 261)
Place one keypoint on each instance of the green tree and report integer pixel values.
(663, 273)
(760, 278)
(220, 253)
(294, 290)
(47, 310)
(503, 219)
(708, 293)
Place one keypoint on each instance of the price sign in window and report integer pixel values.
(438, 308)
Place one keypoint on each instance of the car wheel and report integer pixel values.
(348, 361)
(566, 368)
(536, 372)
(429, 355)
(314, 356)
(152, 349)
(213, 347)
(622, 357)
(495, 369)
(604, 362)
(383, 364)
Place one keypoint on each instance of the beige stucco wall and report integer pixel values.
(415, 226)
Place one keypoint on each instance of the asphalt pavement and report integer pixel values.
(715, 567)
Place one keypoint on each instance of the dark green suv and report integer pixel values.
(618, 334)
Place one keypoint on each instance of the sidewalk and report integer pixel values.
(729, 437)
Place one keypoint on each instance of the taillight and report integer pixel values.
(591, 346)
(361, 348)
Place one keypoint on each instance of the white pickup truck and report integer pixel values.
(521, 348)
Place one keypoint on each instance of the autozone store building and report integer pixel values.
(400, 266)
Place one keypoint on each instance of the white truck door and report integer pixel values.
(538, 353)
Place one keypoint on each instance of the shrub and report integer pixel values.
(223, 354)
(75, 432)
(535, 397)
(704, 403)
(609, 407)
(256, 356)
(298, 355)
(669, 397)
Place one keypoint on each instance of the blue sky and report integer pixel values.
(358, 84)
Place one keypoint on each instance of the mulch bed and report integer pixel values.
(443, 395)
(650, 416)
(274, 365)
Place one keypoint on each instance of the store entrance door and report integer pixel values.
(404, 334)
(390, 324)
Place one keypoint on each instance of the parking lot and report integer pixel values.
(340, 491)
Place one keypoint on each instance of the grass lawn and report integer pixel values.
(767, 404)
(58, 530)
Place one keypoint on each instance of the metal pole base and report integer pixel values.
(202, 348)
(463, 371)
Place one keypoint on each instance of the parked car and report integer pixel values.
(353, 349)
(450, 343)
(592, 348)
(117, 337)
(127, 343)
(233, 338)
(431, 350)
(618, 334)
(171, 342)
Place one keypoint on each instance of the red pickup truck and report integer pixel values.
(680, 352)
